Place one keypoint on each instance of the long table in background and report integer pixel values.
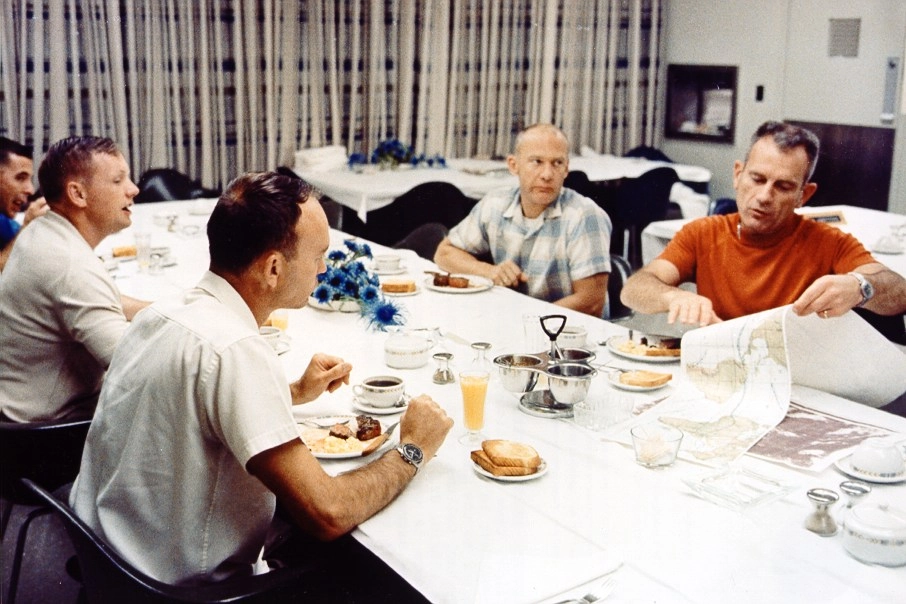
(370, 189)
(866, 225)
(459, 537)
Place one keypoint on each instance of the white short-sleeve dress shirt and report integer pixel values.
(193, 392)
(61, 318)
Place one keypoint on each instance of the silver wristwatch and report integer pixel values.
(411, 454)
(865, 287)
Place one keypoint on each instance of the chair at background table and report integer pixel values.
(646, 152)
(724, 205)
(430, 202)
(620, 271)
(167, 184)
(639, 202)
(48, 453)
(107, 577)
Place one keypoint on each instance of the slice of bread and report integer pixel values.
(662, 352)
(512, 454)
(481, 458)
(644, 378)
(398, 286)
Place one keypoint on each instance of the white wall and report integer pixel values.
(756, 37)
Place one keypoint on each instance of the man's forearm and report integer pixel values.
(890, 293)
(455, 260)
(644, 292)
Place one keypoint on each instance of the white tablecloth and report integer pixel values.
(458, 537)
(866, 225)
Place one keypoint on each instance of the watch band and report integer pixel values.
(865, 288)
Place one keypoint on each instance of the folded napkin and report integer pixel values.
(693, 205)
(321, 159)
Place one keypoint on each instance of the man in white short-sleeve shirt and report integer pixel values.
(61, 315)
(194, 442)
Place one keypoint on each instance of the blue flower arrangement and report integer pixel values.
(392, 153)
(347, 279)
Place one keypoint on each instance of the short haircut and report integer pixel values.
(539, 126)
(787, 137)
(70, 158)
(256, 214)
(10, 147)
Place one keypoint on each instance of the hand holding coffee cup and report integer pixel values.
(380, 391)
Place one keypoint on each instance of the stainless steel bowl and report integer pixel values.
(576, 355)
(519, 372)
(569, 382)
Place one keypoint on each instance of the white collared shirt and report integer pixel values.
(193, 392)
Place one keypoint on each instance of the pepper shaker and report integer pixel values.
(443, 374)
(820, 521)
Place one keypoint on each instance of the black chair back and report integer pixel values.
(724, 205)
(439, 202)
(620, 271)
(167, 184)
(108, 577)
(646, 152)
(639, 202)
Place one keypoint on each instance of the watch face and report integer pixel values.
(413, 452)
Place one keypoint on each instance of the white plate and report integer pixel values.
(476, 284)
(614, 379)
(614, 341)
(329, 420)
(417, 291)
(364, 407)
(845, 466)
(393, 271)
(542, 470)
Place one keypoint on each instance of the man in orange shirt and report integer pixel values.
(766, 255)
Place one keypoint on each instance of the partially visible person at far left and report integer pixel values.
(16, 175)
(61, 315)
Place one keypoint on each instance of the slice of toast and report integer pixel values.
(481, 458)
(398, 286)
(644, 378)
(513, 454)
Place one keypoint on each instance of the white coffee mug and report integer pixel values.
(271, 335)
(387, 262)
(572, 337)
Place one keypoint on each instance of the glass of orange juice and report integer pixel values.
(280, 319)
(474, 385)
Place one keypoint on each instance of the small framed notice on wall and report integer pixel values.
(834, 217)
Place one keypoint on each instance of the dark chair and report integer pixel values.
(578, 181)
(424, 239)
(646, 152)
(724, 205)
(107, 577)
(620, 271)
(48, 453)
(166, 184)
(639, 202)
(439, 202)
(892, 327)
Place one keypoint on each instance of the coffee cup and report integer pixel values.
(387, 262)
(572, 337)
(271, 335)
(380, 390)
(878, 458)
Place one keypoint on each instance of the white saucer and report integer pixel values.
(282, 347)
(845, 466)
(393, 271)
(542, 470)
(362, 406)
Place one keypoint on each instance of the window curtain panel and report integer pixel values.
(214, 88)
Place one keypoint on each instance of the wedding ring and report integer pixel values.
(824, 313)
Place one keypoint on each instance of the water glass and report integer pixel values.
(143, 250)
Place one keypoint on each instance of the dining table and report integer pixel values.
(867, 225)
(594, 514)
(365, 188)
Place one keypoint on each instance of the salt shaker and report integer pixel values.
(855, 491)
(481, 361)
(820, 521)
(443, 374)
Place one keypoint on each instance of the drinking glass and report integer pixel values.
(280, 319)
(143, 250)
(474, 385)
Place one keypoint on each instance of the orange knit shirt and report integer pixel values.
(741, 277)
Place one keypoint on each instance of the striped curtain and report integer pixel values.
(214, 88)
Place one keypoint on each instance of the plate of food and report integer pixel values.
(457, 283)
(344, 436)
(666, 350)
(396, 288)
(638, 380)
(508, 461)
